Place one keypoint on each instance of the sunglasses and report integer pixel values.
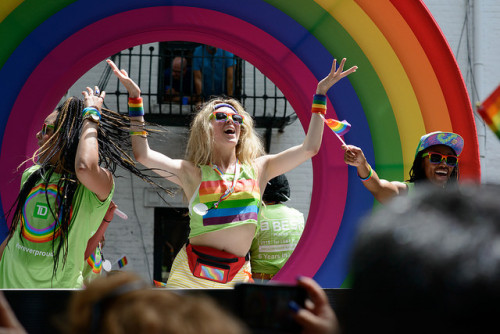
(437, 158)
(221, 116)
(46, 126)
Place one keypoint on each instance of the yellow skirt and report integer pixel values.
(181, 277)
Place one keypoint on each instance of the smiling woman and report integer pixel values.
(436, 162)
(223, 175)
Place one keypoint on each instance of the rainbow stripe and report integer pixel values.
(159, 284)
(237, 207)
(490, 111)
(52, 230)
(407, 84)
(211, 273)
(319, 104)
(122, 262)
(95, 265)
(339, 127)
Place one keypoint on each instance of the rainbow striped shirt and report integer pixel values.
(241, 207)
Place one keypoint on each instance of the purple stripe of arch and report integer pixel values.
(282, 27)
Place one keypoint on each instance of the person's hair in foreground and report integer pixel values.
(428, 263)
(112, 131)
(124, 303)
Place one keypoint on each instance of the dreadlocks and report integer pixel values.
(113, 132)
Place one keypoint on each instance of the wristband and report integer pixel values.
(92, 114)
(135, 107)
(369, 175)
(139, 133)
(319, 104)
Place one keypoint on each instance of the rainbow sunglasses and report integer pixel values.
(221, 116)
(437, 158)
(45, 127)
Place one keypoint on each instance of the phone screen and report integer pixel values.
(264, 307)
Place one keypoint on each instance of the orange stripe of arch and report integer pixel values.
(414, 60)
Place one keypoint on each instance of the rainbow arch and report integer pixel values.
(408, 83)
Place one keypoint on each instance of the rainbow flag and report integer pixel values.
(490, 111)
(339, 127)
(159, 284)
(122, 262)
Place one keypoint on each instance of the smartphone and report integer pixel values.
(264, 307)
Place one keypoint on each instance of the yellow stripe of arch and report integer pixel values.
(388, 68)
(7, 7)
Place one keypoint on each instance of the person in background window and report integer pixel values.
(178, 81)
(213, 71)
(280, 229)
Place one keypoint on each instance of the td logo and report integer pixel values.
(41, 210)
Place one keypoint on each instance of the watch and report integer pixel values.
(92, 117)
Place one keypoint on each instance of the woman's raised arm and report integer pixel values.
(177, 171)
(276, 164)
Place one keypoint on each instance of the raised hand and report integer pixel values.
(93, 98)
(334, 76)
(132, 88)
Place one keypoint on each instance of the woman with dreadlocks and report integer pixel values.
(224, 175)
(64, 195)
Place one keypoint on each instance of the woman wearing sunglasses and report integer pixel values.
(224, 175)
(436, 162)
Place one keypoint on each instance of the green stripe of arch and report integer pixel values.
(371, 93)
(23, 20)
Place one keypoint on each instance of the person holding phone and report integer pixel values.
(436, 162)
(223, 175)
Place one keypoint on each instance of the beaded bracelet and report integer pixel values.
(369, 175)
(319, 104)
(139, 133)
(91, 112)
(135, 107)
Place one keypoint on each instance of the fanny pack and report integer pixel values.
(213, 264)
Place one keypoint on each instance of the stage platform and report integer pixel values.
(38, 310)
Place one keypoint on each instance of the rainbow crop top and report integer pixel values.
(241, 207)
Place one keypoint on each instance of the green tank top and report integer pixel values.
(241, 207)
(280, 229)
(27, 262)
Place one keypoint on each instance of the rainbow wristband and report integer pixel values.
(369, 175)
(319, 104)
(139, 133)
(90, 111)
(135, 107)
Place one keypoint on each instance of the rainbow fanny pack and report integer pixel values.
(213, 264)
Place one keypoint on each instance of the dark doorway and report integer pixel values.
(171, 233)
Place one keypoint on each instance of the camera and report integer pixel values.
(264, 307)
